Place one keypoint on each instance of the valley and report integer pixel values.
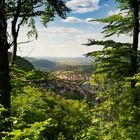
(70, 77)
(79, 64)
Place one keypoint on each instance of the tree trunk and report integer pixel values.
(134, 53)
(5, 88)
(15, 31)
(14, 52)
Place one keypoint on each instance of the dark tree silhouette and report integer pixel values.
(4, 66)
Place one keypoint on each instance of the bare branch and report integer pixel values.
(20, 24)
(25, 42)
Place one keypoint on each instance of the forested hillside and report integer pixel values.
(22, 63)
(81, 64)
(70, 98)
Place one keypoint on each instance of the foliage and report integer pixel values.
(123, 22)
(22, 63)
(106, 60)
(2, 118)
(65, 116)
(115, 115)
(26, 11)
(39, 115)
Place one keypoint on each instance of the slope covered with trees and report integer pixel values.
(22, 63)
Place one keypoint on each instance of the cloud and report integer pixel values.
(106, 5)
(84, 37)
(110, 13)
(59, 32)
(54, 42)
(78, 20)
(123, 13)
(83, 6)
(62, 30)
(56, 30)
(72, 20)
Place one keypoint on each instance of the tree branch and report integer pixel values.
(25, 42)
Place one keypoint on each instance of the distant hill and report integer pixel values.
(69, 60)
(42, 64)
(23, 63)
(62, 63)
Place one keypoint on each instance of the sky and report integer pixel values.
(64, 38)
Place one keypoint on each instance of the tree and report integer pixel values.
(114, 59)
(21, 12)
(135, 7)
(118, 113)
(127, 21)
(4, 67)
(25, 12)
